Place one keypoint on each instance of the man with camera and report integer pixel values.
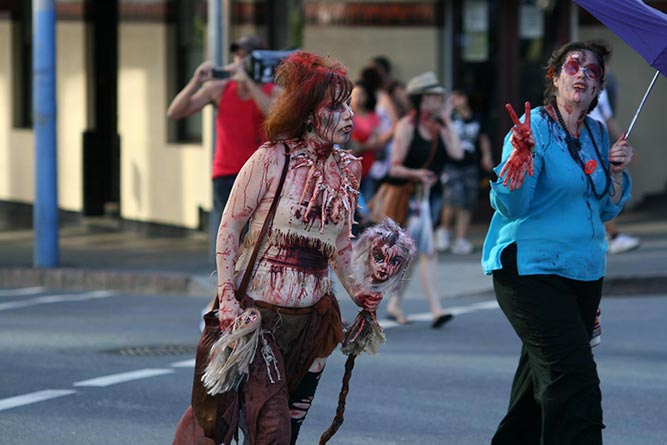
(242, 103)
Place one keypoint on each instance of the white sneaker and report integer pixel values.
(462, 247)
(622, 243)
(441, 239)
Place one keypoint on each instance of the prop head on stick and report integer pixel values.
(383, 254)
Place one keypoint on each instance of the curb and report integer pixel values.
(122, 281)
(627, 286)
(169, 283)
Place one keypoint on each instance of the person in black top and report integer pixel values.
(461, 178)
(423, 141)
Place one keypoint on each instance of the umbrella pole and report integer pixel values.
(634, 119)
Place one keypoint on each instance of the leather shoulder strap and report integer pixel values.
(240, 292)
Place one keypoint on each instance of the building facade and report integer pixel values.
(120, 62)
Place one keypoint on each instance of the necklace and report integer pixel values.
(574, 147)
(334, 201)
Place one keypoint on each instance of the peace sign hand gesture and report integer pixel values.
(521, 159)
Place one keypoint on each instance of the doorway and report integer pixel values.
(101, 142)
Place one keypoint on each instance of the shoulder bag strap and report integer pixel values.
(240, 292)
(434, 145)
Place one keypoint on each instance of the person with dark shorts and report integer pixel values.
(461, 178)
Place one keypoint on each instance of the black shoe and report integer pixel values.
(441, 320)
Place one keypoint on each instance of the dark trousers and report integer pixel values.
(555, 398)
(222, 187)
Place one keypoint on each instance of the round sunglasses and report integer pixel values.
(592, 70)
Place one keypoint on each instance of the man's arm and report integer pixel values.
(262, 100)
(199, 91)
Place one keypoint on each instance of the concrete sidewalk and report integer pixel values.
(99, 255)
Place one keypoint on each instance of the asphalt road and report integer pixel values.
(113, 369)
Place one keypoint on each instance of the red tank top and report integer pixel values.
(238, 130)
(362, 130)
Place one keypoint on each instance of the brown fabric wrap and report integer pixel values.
(297, 337)
(303, 334)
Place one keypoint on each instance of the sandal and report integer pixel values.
(440, 320)
(398, 317)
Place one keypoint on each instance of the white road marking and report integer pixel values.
(184, 364)
(456, 310)
(22, 291)
(26, 399)
(47, 299)
(123, 377)
(39, 396)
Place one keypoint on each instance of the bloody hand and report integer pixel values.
(369, 301)
(520, 160)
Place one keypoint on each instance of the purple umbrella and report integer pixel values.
(642, 27)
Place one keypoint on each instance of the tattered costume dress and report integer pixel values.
(293, 262)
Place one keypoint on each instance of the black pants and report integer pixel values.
(300, 401)
(555, 398)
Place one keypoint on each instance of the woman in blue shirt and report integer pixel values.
(546, 249)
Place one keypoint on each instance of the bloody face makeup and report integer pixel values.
(332, 122)
(385, 261)
(578, 82)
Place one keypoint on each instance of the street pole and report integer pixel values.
(214, 31)
(45, 208)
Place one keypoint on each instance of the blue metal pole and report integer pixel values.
(45, 209)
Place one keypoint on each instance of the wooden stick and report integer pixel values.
(340, 410)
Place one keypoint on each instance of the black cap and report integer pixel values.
(247, 43)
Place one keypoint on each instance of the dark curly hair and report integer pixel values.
(599, 48)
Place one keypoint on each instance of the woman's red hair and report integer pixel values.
(308, 81)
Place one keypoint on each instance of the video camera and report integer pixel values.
(261, 64)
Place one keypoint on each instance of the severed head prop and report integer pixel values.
(382, 255)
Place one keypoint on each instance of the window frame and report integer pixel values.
(22, 75)
(187, 48)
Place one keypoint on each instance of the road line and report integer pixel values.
(22, 291)
(123, 377)
(456, 310)
(48, 299)
(184, 364)
(39, 396)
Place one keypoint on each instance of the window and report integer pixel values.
(22, 64)
(188, 52)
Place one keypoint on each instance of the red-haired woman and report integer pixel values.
(311, 230)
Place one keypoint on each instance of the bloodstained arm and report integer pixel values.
(258, 177)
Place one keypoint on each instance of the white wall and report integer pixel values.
(17, 145)
(160, 182)
(412, 51)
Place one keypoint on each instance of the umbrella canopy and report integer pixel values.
(642, 27)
